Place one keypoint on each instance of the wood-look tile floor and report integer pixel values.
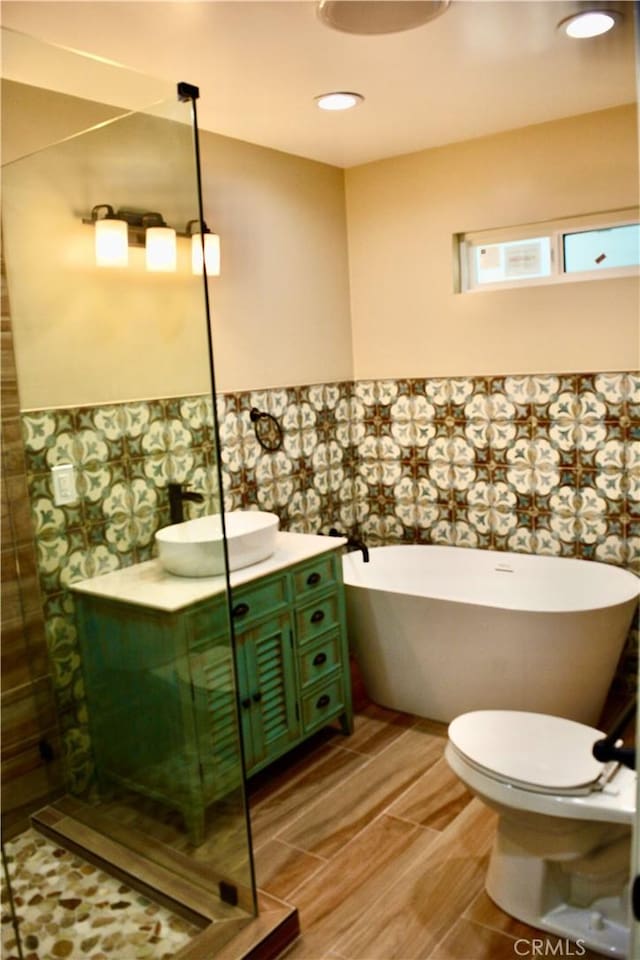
(381, 849)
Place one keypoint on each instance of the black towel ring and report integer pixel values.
(268, 430)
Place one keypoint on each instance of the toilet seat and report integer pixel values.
(531, 751)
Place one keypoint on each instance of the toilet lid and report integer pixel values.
(530, 749)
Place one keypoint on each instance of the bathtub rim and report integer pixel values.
(354, 560)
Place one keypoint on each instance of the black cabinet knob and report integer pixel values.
(240, 610)
(323, 701)
(317, 616)
(257, 697)
(313, 579)
(246, 702)
(319, 659)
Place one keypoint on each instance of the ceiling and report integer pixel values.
(481, 67)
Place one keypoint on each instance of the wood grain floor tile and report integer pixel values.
(280, 868)
(267, 903)
(376, 727)
(340, 814)
(435, 799)
(301, 950)
(420, 909)
(275, 810)
(293, 764)
(366, 869)
(434, 727)
(484, 911)
(470, 940)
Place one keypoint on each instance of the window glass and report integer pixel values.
(602, 249)
(513, 260)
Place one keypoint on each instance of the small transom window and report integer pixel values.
(580, 248)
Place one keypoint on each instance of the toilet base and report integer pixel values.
(541, 892)
(611, 938)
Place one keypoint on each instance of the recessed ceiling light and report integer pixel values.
(590, 23)
(339, 101)
(368, 17)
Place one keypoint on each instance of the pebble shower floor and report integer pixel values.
(67, 907)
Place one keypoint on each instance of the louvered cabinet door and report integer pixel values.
(268, 702)
(214, 701)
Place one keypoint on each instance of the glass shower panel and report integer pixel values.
(115, 379)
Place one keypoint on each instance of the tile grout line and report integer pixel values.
(292, 846)
(416, 832)
(343, 848)
(317, 802)
(382, 812)
(481, 923)
(301, 773)
(411, 823)
(438, 838)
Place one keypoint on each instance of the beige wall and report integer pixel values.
(87, 335)
(281, 305)
(402, 215)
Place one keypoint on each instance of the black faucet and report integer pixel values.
(177, 495)
(352, 542)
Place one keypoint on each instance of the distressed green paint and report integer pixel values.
(166, 706)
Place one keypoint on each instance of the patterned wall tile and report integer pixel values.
(545, 464)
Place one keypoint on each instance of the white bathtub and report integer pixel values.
(438, 631)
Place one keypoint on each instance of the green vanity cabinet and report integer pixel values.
(161, 684)
(162, 715)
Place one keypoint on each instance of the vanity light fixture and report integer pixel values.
(211, 249)
(340, 100)
(589, 23)
(116, 231)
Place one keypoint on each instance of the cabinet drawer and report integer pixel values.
(316, 618)
(322, 704)
(315, 576)
(207, 623)
(319, 660)
(255, 601)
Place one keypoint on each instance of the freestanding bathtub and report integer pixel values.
(439, 631)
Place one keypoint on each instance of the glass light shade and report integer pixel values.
(160, 249)
(111, 243)
(211, 253)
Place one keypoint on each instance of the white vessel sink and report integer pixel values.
(195, 548)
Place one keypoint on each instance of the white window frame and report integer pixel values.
(555, 230)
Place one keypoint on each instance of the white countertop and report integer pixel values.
(148, 585)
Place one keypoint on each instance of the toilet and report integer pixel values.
(562, 853)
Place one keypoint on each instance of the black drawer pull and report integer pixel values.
(257, 697)
(317, 616)
(313, 578)
(324, 700)
(246, 702)
(319, 659)
(240, 610)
